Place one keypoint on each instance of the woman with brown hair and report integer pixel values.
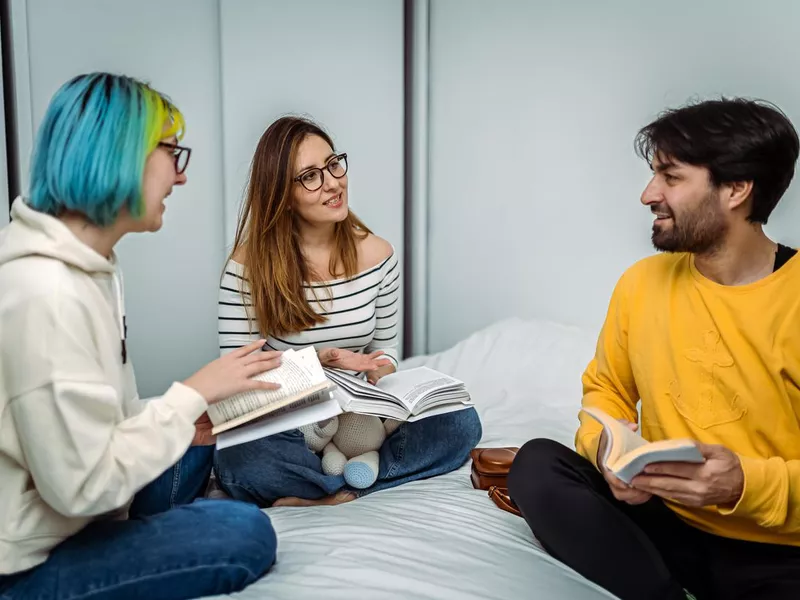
(305, 271)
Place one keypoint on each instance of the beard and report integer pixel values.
(699, 230)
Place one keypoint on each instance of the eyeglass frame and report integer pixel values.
(327, 167)
(181, 150)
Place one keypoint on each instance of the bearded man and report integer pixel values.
(701, 341)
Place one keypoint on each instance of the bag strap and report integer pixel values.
(501, 498)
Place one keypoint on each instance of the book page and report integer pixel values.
(633, 463)
(621, 440)
(358, 388)
(413, 384)
(439, 410)
(307, 357)
(293, 376)
(667, 448)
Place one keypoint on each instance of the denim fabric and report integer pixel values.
(180, 484)
(163, 552)
(281, 465)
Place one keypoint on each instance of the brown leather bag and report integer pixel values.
(490, 467)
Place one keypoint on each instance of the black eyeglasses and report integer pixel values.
(312, 178)
(181, 155)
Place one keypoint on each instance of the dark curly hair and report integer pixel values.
(735, 139)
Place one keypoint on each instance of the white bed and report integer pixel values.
(440, 538)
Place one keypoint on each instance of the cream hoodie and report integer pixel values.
(76, 442)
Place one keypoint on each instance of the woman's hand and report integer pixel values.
(202, 432)
(233, 373)
(336, 358)
(374, 375)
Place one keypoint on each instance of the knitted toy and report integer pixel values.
(349, 444)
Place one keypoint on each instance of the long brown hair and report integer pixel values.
(268, 235)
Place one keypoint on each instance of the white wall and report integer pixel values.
(534, 186)
(4, 200)
(171, 278)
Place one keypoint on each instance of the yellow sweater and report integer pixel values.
(718, 364)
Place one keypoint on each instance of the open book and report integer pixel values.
(407, 395)
(303, 383)
(627, 453)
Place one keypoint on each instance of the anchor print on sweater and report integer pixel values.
(708, 406)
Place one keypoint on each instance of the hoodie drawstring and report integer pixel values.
(119, 295)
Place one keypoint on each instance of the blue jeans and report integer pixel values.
(281, 465)
(170, 548)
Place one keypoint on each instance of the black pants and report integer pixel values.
(643, 552)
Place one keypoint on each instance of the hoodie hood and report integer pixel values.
(32, 233)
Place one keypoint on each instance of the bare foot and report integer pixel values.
(337, 498)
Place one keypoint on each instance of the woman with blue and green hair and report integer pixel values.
(98, 486)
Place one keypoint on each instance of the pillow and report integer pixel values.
(523, 375)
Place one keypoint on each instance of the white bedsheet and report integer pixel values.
(440, 538)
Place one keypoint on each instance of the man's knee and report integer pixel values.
(535, 469)
(540, 454)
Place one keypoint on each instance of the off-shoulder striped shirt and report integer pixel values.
(361, 313)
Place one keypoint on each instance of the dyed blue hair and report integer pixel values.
(92, 145)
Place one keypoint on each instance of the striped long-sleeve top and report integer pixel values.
(361, 313)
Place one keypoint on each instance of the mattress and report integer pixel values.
(440, 538)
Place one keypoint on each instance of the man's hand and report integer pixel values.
(621, 491)
(336, 358)
(719, 481)
(202, 432)
(374, 376)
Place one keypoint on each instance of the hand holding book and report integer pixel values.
(683, 471)
(717, 481)
(302, 382)
(621, 491)
(626, 454)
